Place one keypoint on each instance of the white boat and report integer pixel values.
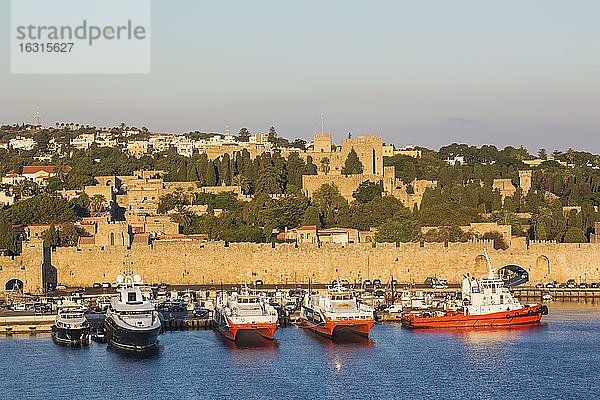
(244, 315)
(336, 313)
(70, 326)
(131, 321)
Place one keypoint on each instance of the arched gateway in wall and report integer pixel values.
(14, 284)
(542, 265)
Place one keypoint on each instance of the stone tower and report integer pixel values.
(323, 143)
(525, 181)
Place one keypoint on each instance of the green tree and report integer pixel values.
(325, 165)
(244, 135)
(97, 204)
(574, 235)
(182, 216)
(211, 174)
(8, 239)
(367, 191)
(352, 164)
(397, 231)
(272, 137)
(311, 217)
(51, 238)
(42, 209)
(69, 234)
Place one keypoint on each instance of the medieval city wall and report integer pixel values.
(193, 262)
(27, 267)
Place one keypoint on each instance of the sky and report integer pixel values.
(423, 72)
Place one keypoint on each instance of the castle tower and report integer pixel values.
(525, 181)
(323, 143)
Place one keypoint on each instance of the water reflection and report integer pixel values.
(480, 335)
(152, 353)
(349, 340)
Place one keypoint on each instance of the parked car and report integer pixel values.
(441, 284)
(583, 285)
(200, 312)
(571, 283)
(60, 286)
(550, 285)
(105, 285)
(539, 286)
(595, 285)
(377, 282)
(97, 285)
(42, 308)
(258, 282)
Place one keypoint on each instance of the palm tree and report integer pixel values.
(242, 182)
(325, 165)
(97, 204)
(61, 172)
(182, 216)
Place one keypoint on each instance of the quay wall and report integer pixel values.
(193, 262)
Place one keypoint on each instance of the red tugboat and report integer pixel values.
(486, 303)
(337, 313)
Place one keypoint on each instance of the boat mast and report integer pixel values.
(491, 273)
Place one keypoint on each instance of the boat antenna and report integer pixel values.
(491, 272)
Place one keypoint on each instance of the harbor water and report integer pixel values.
(556, 360)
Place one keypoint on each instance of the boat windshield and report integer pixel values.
(246, 300)
(344, 296)
(71, 316)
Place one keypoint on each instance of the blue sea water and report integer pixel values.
(559, 359)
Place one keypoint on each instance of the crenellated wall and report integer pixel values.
(193, 262)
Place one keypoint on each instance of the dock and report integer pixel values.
(27, 324)
(591, 295)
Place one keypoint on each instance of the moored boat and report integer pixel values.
(337, 313)
(244, 315)
(486, 303)
(70, 326)
(131, 321)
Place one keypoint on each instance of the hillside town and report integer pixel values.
(261, 187)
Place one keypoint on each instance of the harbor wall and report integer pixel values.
(26, 267)
(193, 262)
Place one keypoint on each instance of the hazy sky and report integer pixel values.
(421, 72)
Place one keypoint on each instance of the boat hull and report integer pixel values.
(237, 332)
(71, 336)
(337, 329)
(130, 339)
(525, 316)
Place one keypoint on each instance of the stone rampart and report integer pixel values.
(193, 262)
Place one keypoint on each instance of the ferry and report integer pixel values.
(337, 313)
(131, 321)
(70, 326)
(486, 303)
(244, 315)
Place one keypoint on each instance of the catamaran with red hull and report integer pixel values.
(244, 315)
(486, 303)
(337, 313)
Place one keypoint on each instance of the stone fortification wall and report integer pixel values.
(27, 267)
(193, 262)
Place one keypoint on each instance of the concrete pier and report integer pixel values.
(28, 324)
